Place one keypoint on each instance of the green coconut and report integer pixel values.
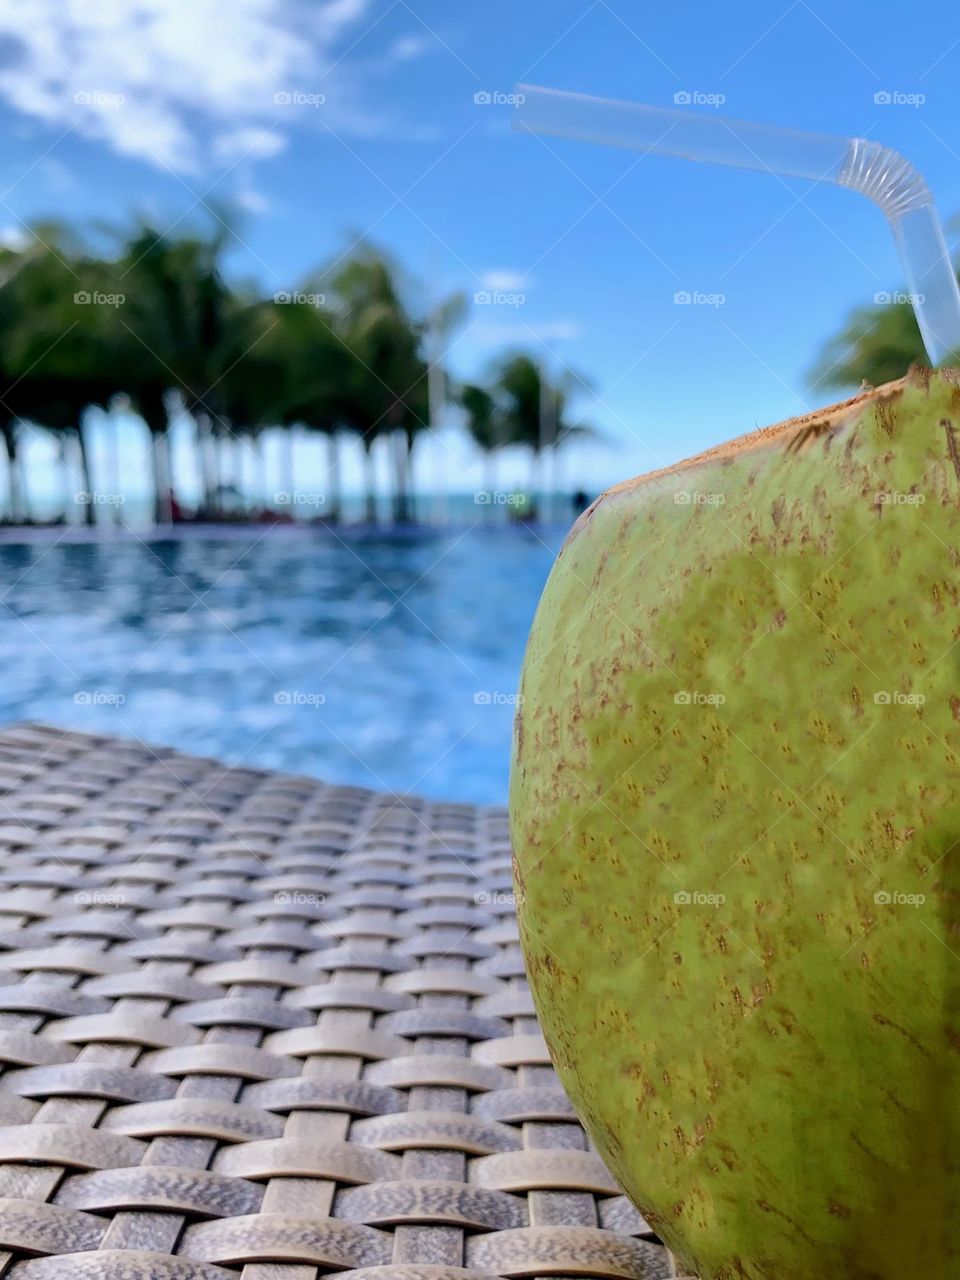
(735, 807)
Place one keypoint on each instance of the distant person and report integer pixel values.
(580, 501)
(176, 511)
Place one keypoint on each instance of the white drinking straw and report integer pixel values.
(868, 167)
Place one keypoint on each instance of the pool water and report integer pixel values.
(383, 659)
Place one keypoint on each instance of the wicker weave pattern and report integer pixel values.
(252, 1025)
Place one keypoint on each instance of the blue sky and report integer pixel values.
(329, 120)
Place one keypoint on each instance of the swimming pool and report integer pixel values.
(380, 658)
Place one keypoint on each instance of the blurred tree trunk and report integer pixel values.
(224, 464)
(490, 479)
(335, 503)
(551, 481)
(67, 491)
(535, 477)
(370, 476)
(401, 496)
(411, 443)
(154, 414)
(216, 479)
(162, 477)
(287, 478)
(202, 428)
(14, 492)
(89, 510)
(246, 472)
(260, 470)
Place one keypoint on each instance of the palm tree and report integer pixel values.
(247, 388)
(360, 404)
(535, 410)
(486, 427)
(157, 324)
(55, 346)
(414, 423)
(390, 383)
(174, 336)
(386, 374)
(10, 431)
(15, 310)
(312, 373)
(445, 316)
(61, 409)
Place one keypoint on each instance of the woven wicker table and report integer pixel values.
(253, 1025)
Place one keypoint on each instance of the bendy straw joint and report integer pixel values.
(876, 171)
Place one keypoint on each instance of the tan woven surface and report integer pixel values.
(253, 1025)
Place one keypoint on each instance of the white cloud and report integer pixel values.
(14, 237)
(346, 11)
(249, 144)
(507, 281)
(179, 83)
(410, 46)
(251, 200)
(496, 333)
